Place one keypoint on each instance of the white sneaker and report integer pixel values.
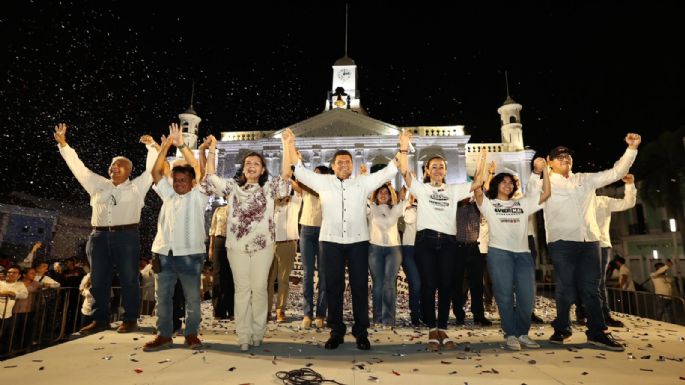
(244, 347)
(527, 342)
(513, 343)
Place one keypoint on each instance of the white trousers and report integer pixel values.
(250, 275)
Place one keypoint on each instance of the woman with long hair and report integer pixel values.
(385, 252)
(250, 234)
(509, 260)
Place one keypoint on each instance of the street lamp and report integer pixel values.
(672, 226)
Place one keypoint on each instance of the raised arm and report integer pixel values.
(212, 154)
(405, 142)
(477, 184)
(158, 169)
(629, 197)
(621, 167)
(203, 157)
(88, 179)
(289, 152)
(546, 184)
(177, 138)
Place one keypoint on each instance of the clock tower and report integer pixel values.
(344, 92)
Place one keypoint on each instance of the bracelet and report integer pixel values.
(181, 146)
(404, 151)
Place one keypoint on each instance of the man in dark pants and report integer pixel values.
(470, 264)
(115, 241)
(222, 287)
(344, 237)
(573, 238)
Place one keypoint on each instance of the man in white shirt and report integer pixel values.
(10, 291)
(663, 287)
(573, 238)
(604, 206)
(344, 237)
(179, 243)
(625, 277)
(115, 241)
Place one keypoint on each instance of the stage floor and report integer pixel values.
(654, 355)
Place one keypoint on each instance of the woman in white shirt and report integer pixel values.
(385, 253)
(509, 260)
(250, 235)
(436, 243)
(411, 271)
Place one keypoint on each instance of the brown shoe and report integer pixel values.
(306, 322)
(158, 343)
(94, 327)
(280, 315)
(193, 342)
(127, 327)
(433, 344)
(318, 322)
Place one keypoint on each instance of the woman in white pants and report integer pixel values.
(250, 235)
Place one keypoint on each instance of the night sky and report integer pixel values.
(585, 74)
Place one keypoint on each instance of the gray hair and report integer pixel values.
(125, 159)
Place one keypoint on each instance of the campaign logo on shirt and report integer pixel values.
(514, 210)
(439, 201)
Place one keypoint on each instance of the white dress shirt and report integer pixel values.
(47, 281)
(383, 224)
(112, 205)
(604, 206)
(285, 216)
(629, 285)
(181, 223)
(343, 202)
(437, 206)
(569, 212)
(409, 234)
(311, 210)
(7, 303)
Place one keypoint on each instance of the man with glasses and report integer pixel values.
(573, 238)
(114, 241)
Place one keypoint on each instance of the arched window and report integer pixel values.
(512, 119)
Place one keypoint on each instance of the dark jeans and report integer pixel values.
(310, 255)
(333, 258)
(580, 310)
(411, 271)
(107, 251)
(435, 257)
(577, 267)
(469, 263)
(222, 286)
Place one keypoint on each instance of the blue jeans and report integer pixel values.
(580, 310)
(577, 269)
(107, 251)
(310, 256)
(333, 260)
(411, 271)
(384, 264)
(185, 268)
(513, 275)
(435, 258)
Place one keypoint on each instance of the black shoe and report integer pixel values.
(614, 323)
(333, 342)
(607, 341)
(559, 337)
(581, 321)
(459, 322)
(536, 320)
(482, 321)
(363, 343)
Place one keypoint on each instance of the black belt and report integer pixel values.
(133, 226)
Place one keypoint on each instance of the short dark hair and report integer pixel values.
(494, 184)
(340, 153)
(323, 169)
(262, 178)
(620, 259)
(184, 169)
(658, 265)
(559, 151)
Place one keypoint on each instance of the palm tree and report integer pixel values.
(660, 169)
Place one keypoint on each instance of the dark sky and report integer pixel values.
(585, 74)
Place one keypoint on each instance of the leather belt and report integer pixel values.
(133, 226)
